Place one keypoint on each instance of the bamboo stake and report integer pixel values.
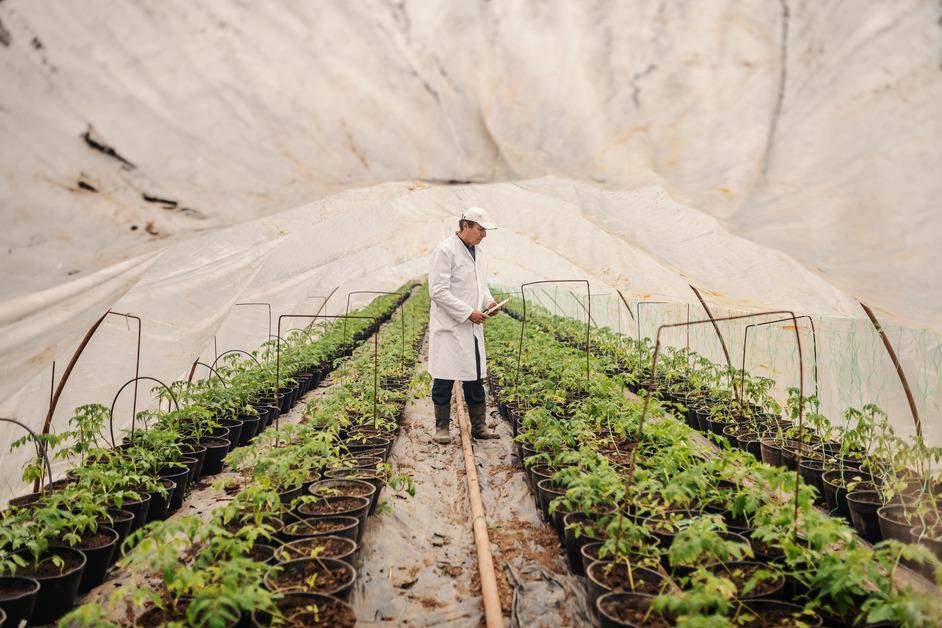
(493, 615)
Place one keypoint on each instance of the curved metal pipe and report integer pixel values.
(40, 447)
(134, 416)
(241, 351)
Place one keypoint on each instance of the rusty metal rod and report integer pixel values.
(716, 327)
(899, 369)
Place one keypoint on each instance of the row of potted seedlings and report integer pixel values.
(60, 541)
(886, 486)
(283, 549)
(694, 535)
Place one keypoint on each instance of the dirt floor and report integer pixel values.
(418, 566)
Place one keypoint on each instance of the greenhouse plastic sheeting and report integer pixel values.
(775, 155)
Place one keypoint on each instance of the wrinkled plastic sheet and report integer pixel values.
(418, 566)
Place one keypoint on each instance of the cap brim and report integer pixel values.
(488, 225)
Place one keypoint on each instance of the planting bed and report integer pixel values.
(201, 567)
(578, 438)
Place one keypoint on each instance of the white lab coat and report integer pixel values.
(458, 285)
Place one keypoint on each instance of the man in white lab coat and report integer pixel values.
(458, 286)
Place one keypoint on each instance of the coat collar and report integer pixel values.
(464, 247)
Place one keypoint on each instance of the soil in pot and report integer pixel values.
(367, 475)
(18, 598)
(338, 505)
(313, 575)
(665, 525)
(344, 526)
(262, 553)
(863, 506)
(216, 450)
(775, 614)
(58, 585)
(347, 488)
(156, 617)
(629, 609)
(604, 576)
(296, 608)
(741, 573)
(329, 546)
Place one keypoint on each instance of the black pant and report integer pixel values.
(473, 391)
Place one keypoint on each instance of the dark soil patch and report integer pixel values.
(616, 579)
(628, 611)
(324, 548)
(11, 589)
(46, 568)
(326, 577)
(302, 613)
(332, 506)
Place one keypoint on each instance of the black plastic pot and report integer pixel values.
(159, 504)
(547, 492)
(342, 525)
(280, 582)
(894, 523)
(811, 472)
(121, 522)
(17, 598)
(193, 466)
(250, 426)
(179, 477)
(98, 559)
(573, 543)
(139, 509)
(835, 490)
(863, 506)
(56, 592)
(235, 431)
(216, 450)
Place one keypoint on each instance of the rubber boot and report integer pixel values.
(442, 421)
(477, 412)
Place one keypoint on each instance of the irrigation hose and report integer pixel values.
(493, 616)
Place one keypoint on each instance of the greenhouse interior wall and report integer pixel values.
(208, 167)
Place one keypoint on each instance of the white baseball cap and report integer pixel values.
(478, 215)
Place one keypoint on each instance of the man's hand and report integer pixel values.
(490, 305)
(477, 317)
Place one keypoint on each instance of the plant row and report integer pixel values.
(667, 530)
(61, 540)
